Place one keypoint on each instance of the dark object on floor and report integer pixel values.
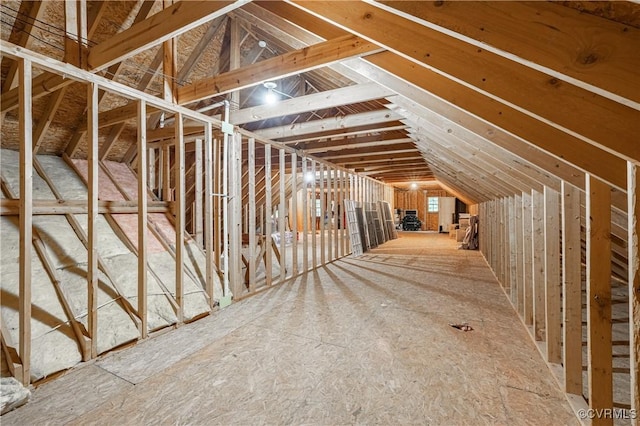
(410, 222)
(463, 327)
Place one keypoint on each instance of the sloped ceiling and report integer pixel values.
(488, 99)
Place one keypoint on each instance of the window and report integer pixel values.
(432, 206)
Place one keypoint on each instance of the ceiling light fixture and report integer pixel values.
(262, 44)
(414, 185)
(309, 177)
(271, 97)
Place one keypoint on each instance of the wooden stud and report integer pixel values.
(92, 237)
(571, 289)
(293, 213)
(26, 197)
(198, 231)
(519, 269)
(552, 275)
(252, 215)
(329, 212)
(305, 216)
(180, 215)
(513, 262)
(234, 58)
(208, 212)
(142, 217)
(527, 248)
(151, 168)
(268, 211)
(314, 217)
(323, 212)
(599, 333)
(633, 212)
(217, 205)
(166, 173)
(341, 198)
(282, 206)
(235, 209)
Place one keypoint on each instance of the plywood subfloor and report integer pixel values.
(362, 340)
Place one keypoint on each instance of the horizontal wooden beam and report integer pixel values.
(328, 124)
(10, 207)
(168, 23)
(314, 102)
(302, 60)
(44, 84)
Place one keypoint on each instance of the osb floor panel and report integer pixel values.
(362, 341)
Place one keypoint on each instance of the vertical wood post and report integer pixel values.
(166, 173)
(235, 206)
(513, 262)
(208, 211)
(180, 217)
(305, 216)
(329, 228)
(293, 214)
(519, 271)
(198, 221)
(92, 269)
(633, 211)
(538, 264)
(314, 226)
(26, 211)
(251, 158)
(552, 275)
(571, 289)
(282, 207)
(527, 248)
(142, 216)
(323, 212)
(268, 211)
(599, 333)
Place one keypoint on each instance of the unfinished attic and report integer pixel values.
(202, 207)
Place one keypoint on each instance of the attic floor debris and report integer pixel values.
(319, 350)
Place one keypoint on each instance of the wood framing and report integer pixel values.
(180, 216)
(305, 215)
(142, 217)
(633, 193)
(599, 334)
(25, 73)
(289, 63)
(268, 212)
(528, 258)
(92, 235)
(571, 289)
(293, 213)
(209, 212)
(251, 171)
(282, 212)
(164, 25)
(601, 119)
(552, 281)
(312, 102)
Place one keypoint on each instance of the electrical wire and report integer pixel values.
(60, 32)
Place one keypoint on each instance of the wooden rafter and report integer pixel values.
(164, 25)
(318, 55)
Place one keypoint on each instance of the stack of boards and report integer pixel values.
(370, 224)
